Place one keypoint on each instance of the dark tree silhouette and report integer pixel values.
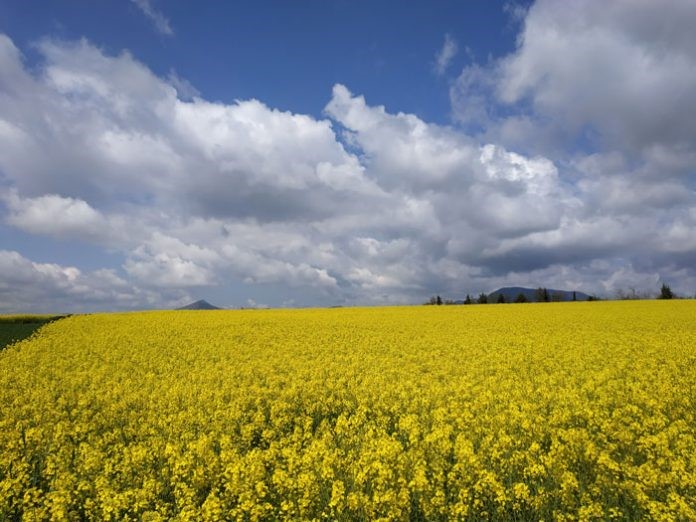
(666, 292)
(542, 295)
(438, 300)
(482, 298)
(468, 299)
(521, 298)
(501, 298)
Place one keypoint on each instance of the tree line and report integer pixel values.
(543, 295)
(630, 294)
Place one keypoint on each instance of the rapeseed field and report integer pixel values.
(568, 411)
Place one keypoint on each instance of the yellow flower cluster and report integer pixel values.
(568, 411)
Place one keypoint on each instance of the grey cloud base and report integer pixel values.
(361, 207)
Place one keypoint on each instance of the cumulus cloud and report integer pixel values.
(446, 54)
(52, 288)
(158, 19)
(166, 261)
(619, 74)
(54, 215)
(602, 90)
(184, 88)
(627, 69)
(361, 205)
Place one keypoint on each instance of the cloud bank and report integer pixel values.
(362, 205)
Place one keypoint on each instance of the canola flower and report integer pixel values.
(570, 411)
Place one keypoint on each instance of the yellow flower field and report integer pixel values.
(569, 411)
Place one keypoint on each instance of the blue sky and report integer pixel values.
(320, 153)
(286, 54)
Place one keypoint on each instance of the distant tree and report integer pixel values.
(482, 298)
(666, 292)
(468, 299)
(575, 296)
(521, 298)
(631, 294)
(501, 299)
(438, 300)
(542, 295)
(593, 298)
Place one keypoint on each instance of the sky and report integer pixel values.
(321, 153)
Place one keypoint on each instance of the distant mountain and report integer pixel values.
(200, 305)
(511, 293)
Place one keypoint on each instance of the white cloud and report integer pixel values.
(74, 219)
(184, 88)
(402, 151)
(604, 90)
(446, 54)
(253, 304)
(52, 288)
(470, 96)
(55, 215)
(538, 175)
(166, 261)
(166, 270)
(161, 23)
(192, 193)
(624, 70)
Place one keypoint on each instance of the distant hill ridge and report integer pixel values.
(511, 292)
(201, 304)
